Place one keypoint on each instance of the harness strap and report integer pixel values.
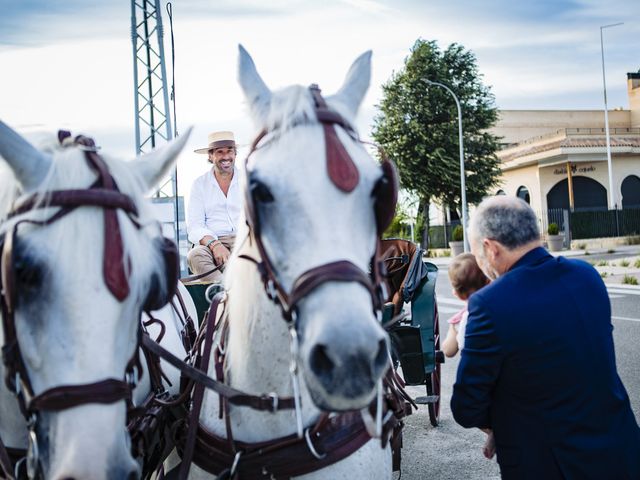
(193, 278)
(64, 397)
(91, 197)
(198, 391)
(340, 167)
(340, 271)
(335, 439)
(236, 397)
(6, 465)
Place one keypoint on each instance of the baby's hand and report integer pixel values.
(489, 448)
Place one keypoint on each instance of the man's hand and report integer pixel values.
(489, 448)
(220, 252)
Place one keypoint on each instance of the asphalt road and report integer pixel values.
(452, 452)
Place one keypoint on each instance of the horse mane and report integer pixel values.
(70, 170)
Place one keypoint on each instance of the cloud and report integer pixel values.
(370, 6)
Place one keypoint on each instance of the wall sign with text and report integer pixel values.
(575, 169)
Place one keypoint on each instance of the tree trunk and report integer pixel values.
(423, 209)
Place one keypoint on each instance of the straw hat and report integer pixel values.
(218, 140)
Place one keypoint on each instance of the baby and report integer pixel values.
(466, 278)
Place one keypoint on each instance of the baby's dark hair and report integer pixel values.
(465, 275)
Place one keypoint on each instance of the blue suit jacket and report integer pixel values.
(538, 367)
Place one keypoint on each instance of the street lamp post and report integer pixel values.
(612, 198)
(462, 176)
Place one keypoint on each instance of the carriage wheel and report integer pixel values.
(433, 380)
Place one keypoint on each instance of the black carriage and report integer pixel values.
(411, 318)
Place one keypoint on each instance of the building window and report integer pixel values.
(631, 192)
(500, 192)
(523, 193)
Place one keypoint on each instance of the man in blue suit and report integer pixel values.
(538, 367)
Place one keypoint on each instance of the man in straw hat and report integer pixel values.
(214, 208)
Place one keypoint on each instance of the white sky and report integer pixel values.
(69, 64)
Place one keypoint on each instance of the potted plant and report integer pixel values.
(554, 240)
(457, 241)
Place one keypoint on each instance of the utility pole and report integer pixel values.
(151, 96)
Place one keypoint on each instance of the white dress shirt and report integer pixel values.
(210, 212)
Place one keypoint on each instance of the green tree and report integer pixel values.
(418, 127)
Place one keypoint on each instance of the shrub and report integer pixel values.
(553, 229)
(637, 264)
(633, 240)
(603, 263)
(603, 274)
(458, 234)
(629, 280)
(581, 246)
(623, 263)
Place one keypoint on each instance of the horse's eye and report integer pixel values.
(260, 192)
(28, 272)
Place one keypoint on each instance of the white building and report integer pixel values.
(558, 158)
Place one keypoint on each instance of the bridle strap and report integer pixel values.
(342, 172)
(340, 271)
(91, 197)
(64, 397)
(113, 260)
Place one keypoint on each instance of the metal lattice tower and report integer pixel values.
(152, 114)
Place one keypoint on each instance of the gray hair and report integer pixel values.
(508, 220)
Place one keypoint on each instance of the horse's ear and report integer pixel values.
(356, 84)
(155, 165)
(255, 90)
(29, 165)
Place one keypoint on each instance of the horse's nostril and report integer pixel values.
(320, 362)
(133, 476)
(382, 356)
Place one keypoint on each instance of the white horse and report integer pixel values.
(71, 329)
(305, 222)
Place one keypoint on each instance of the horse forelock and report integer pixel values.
(289, 107)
